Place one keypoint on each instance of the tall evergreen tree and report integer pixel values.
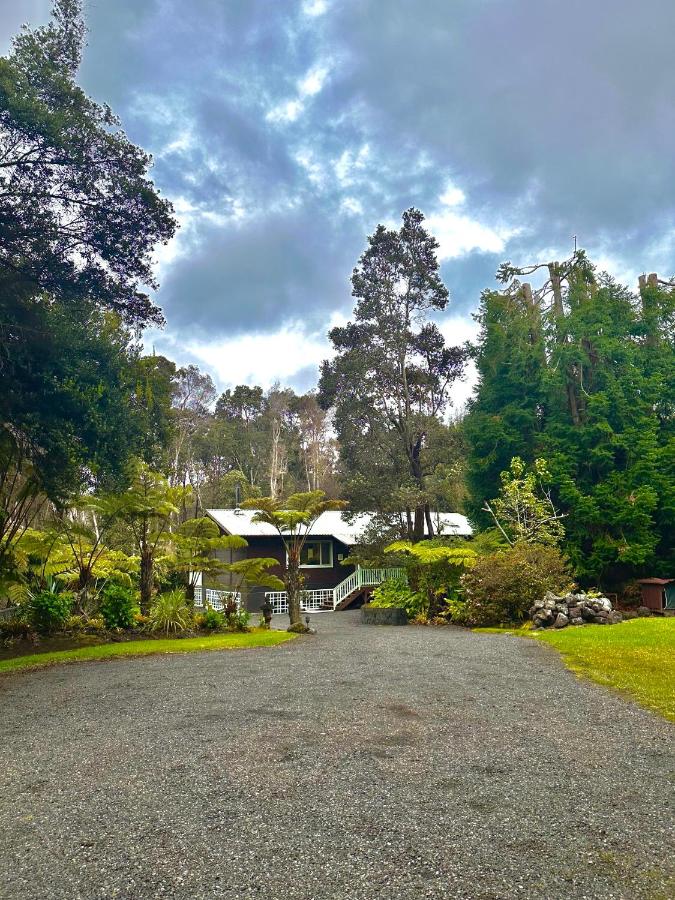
(600, 408)
(389, 380)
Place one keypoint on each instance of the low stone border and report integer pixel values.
(390, 615)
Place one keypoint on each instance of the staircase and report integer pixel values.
(339, 597)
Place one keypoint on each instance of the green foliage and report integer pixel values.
(49, 609)
(501, 587)
(582, 374)
(434, 570)
(80, 216)
(194, 544)
(170, 612)
(75, 624)
(211, 619)
(147, 508)
(118, 606)
(237, 619)
(524, 511)
(80, 222)
(293, 519)
(397, 592)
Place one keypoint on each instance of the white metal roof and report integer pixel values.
(240, 521)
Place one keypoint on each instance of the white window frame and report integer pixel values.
(328, 565)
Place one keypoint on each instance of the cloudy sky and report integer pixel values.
(285, 130)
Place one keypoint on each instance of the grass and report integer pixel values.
(258, 637)
(636, 657)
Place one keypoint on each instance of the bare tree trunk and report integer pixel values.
(293, 582)
(146, 580)
(418, 525)
(430, 524)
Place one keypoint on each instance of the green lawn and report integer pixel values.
(237, 641)
(637, 656)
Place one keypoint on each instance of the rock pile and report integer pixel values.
(572, 609)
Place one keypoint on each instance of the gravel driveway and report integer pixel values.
(363, 762)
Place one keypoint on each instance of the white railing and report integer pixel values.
(215, 598)
(361, 578)
(313, 601)
(310, 601)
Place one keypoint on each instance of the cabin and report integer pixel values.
(329, 584)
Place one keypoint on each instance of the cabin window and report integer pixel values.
(317, 555)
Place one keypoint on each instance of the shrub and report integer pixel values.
(16, 627)
(95, 625)
(75, 624)
(501, 587)
(170, 612)
(211, 619)
(238, 619)
(141, 621)
(434, 568)
(49, 609)
(397, 592)
(118, 606)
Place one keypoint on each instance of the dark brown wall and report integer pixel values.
(273, 547)
(314, 578)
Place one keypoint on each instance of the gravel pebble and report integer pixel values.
(363, 762)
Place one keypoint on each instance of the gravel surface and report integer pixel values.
(362, 762)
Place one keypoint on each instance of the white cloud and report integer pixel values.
(285, 112)
(314, 8)
(313, 81)
(261, 358)
(308, 86)
(351, 206)
(459, 233)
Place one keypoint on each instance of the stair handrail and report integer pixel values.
(361, 577)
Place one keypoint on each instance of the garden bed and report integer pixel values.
(141, 645)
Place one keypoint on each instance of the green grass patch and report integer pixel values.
(637, 657)
(232, 641)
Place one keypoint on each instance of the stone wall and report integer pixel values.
(572, 609)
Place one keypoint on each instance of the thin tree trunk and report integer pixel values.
(430, 524)
(293, 587)
(146, 580)
(418, 526)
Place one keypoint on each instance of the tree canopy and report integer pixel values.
(581, 372)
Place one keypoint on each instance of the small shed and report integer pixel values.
(658, 593)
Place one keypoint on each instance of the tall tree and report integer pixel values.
(390, 377)
(593, 396)
(148, 507)
(79, 220)
(505, 417)
(78, 215)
